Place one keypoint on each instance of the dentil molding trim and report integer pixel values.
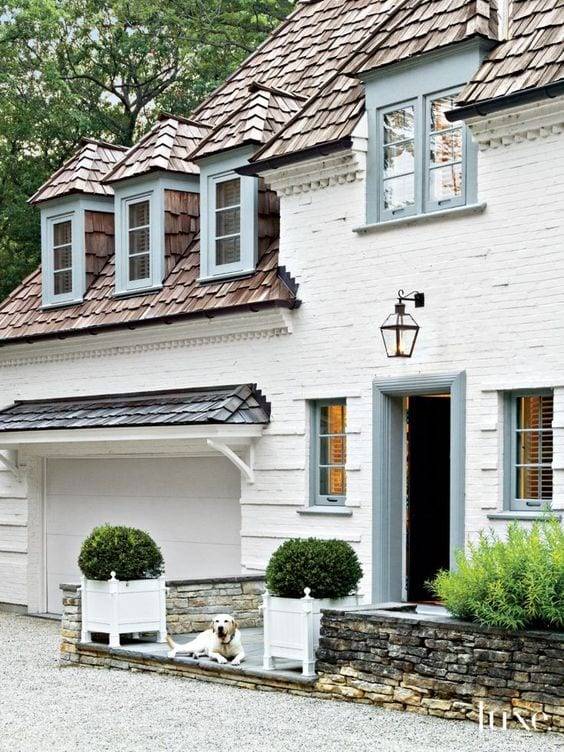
(316, 174)
(538, 120)
(275, 323)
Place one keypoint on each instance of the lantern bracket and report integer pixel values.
(418, 298)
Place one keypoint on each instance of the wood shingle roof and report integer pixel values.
(165, 147)
(532, 56)
(83, 172)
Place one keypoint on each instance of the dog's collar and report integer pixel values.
(228, 641)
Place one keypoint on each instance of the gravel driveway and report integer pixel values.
(43, 707)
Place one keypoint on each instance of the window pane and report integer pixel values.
(399, 125)
(528, 482)
(535, 411)
(62, 257)
(446, 147)
(445, 182)
(228, 193)
(62, 282)
(534, 448)
(227, 222)
(438, 109)
(332, 418)
(399, 193)
(332, 481)
(139, 267)
(227, 251)
(62, 233)
(139, 214)
(139, 241)
(399, 159)
(332, 450)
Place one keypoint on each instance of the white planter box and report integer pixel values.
(117, 607)
(291, 627)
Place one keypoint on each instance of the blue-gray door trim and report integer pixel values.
(387, 464)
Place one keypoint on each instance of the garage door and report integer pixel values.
(190, 506)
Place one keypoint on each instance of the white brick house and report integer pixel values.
(483, 388)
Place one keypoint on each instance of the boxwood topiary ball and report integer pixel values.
(131, 553)
(329, 567)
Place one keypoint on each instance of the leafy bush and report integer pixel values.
(132, 554)
(513, 584)
(329, 567)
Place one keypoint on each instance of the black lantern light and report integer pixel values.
(400, 330)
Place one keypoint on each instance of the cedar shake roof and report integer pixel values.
(231, 405)
(261, 115)
(411, 28)
(532, 57)
(23, 319)
(83, 172)
(165, 147)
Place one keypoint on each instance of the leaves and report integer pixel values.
(102, 68)
(513, 584)
(131, 553)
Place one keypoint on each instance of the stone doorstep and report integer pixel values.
(237, 673)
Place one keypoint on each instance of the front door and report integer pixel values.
(428, 492)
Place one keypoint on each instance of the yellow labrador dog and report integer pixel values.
(220, 642)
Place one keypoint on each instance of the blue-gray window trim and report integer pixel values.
(510, 502)
(429, 75)
(316, 499)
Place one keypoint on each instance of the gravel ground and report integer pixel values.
(43, 707)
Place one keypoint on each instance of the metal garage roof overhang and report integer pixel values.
(219, 418)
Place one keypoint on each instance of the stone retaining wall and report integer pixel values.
(444, 667)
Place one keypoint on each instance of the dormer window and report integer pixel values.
(227, 222)
(62, 252)
(62, 257)
(139, 240)
(229, 227)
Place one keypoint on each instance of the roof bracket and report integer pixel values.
(9, 460)
(246, 469)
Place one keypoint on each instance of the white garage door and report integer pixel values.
(190, 506)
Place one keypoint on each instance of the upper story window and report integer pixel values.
(422, 158)
(329, 452)
(139, 240)
(227, 210)
(229, 216)
(62, 255)
(530, 468)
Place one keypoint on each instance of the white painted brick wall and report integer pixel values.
(493, 285)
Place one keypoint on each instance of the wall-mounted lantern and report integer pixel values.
(400, 330)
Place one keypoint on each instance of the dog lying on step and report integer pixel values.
(221, 642)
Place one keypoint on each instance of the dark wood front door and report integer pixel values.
(428, 492)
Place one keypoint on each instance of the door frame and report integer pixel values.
(387, 473)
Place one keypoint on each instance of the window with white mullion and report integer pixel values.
(62, 257)
(227, 222)
(139, 241)
(532, 451)
(330, 450)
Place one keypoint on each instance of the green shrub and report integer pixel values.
(329, 567)
(513, 584)
(132, 554)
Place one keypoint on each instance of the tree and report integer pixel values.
(101, 68)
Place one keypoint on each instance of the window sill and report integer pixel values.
(419, 219)
(520, 515)
(336, 511)
(226, 277)
(61, 304)
(138, 291)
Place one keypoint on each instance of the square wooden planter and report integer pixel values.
(117, 607)
(292, 625)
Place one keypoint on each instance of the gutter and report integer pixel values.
(489, 106)
(322, 150)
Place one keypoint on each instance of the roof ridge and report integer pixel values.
(101, 142)
(163, 115)
(256, 85)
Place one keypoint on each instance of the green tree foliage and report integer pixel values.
(515, 583)
(100, 68)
